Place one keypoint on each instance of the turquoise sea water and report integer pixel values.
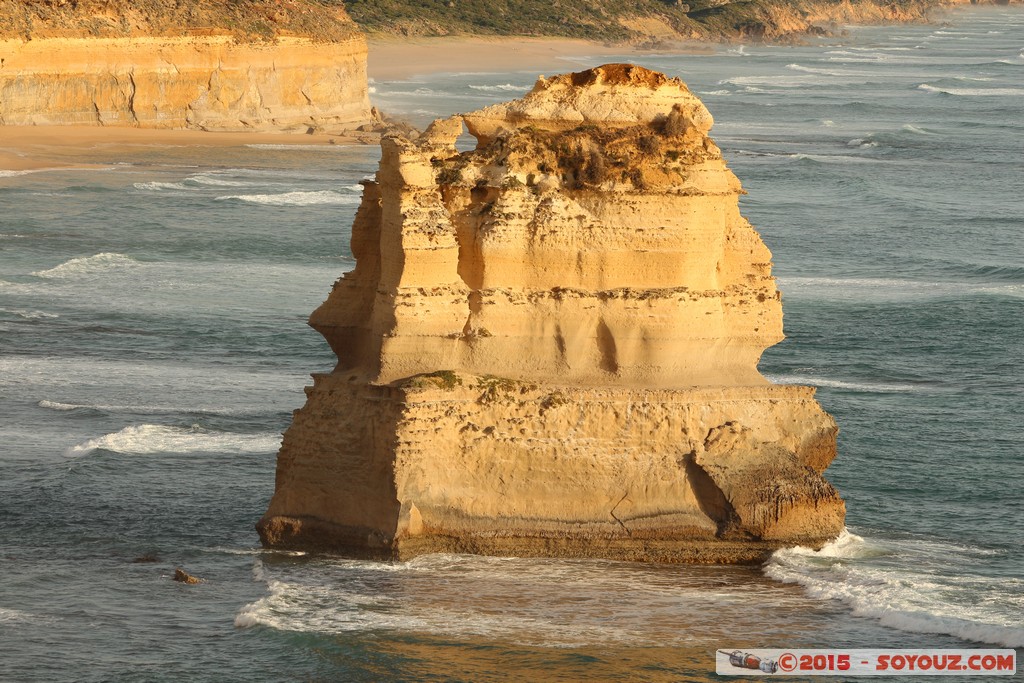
(153, 346)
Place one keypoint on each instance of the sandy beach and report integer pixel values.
(25, 148)
(407, 58)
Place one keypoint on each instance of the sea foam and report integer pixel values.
(297, 147)
(155, 186)
(216, 180)
(29, 314)
(503, 87)
(858, 287)
(861, 387)
(145, 409)
(88, 265)
(336, 608)
(973, 92)
(822, 72)
(15, 616)
(148, 439)
(896, 584)
(297, 198)
(549, 603)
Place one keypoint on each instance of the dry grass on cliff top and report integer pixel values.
(246, 20)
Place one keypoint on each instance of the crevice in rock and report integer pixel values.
(612, 513)
(131, 97)
(560, 342)
(606, 347)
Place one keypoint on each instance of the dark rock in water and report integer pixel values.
(182, 576)
(148, 557)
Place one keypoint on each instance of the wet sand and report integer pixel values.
(26, 148)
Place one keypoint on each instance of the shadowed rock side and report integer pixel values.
(549, 346)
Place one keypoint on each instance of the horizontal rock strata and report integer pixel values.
(205, 82)
(549, 346)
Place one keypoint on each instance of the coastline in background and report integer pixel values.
(152, 321)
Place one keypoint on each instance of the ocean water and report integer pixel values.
(153, 345)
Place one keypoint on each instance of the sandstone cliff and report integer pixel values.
(549, 345)
(222, 66)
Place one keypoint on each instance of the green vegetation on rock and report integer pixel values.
(594, 20)
(444, 379)
(636, 21)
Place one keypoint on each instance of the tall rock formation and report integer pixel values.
(114, 65)
(549, 346)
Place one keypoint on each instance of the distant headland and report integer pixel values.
(650, 23)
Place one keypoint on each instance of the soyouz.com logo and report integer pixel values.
(765, 662)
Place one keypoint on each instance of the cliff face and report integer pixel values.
(209, 82)
(201, 66)
(549, 346)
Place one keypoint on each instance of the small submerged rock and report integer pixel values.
(182, 576)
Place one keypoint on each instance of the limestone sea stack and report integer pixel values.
(549, 346)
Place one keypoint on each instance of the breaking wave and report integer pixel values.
(215, 180)
(504, 87)
(14, 616)
(863, 387)
(149, 439)
(994, 280)
(193, 182)
(857, 57)
(817, 158)
(752, 83)
(896, 584)
(143, 409)
(28, 314)
(88, 265)
(289, 148)
(862, 143)
(821, 72)
(973, 92)
(155, 186)
(854, 287)
(297, 198)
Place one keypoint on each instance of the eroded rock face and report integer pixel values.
(204, 82)
(549, 346)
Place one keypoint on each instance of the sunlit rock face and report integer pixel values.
(202, 82)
